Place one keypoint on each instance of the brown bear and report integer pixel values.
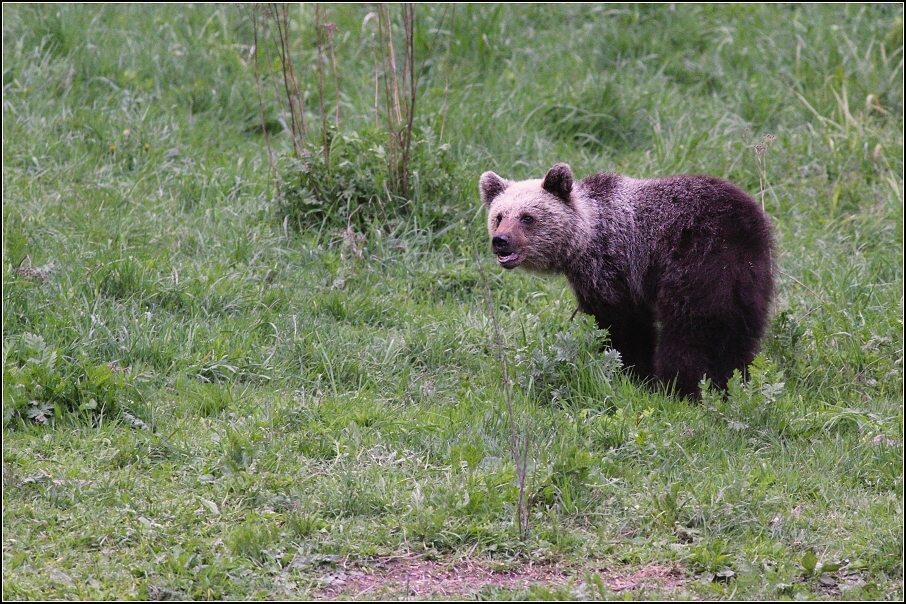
(678, 270)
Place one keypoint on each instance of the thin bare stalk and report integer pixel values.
(274, 25)
(331, 29)
(280, 17)
(400, 91)
(520, 457)
(320, 44)
(794, 279)
(761, 162)
(376, 82)
(297, 93)
(391, 55)
(408, 62)
(443, 112)
(280, 14)
(267, 139)
(269, 61)
(391, 94)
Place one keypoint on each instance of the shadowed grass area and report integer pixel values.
(203, 399)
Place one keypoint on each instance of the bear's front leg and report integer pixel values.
(633, 335)
(684, 356)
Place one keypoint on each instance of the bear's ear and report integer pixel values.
(559, 181)
(491, 186)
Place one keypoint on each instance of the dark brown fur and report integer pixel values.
(678, 270)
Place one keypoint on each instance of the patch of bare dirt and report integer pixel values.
(413, 577)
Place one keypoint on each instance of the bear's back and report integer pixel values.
(670, 214)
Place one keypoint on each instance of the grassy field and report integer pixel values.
(212, 392)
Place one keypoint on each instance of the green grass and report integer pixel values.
(202, 400)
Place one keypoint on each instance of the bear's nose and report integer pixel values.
(500, 244)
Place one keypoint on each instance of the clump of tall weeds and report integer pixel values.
(339, 175)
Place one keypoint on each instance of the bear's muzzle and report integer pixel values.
(502, 247)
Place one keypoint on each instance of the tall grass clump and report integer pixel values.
(363, 170)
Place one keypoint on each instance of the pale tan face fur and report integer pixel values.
(529, 226)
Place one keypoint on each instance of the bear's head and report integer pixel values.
(532, 223)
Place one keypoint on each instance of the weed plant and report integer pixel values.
(208, 393)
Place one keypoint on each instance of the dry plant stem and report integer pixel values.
(267, 139)
(320, 43)
(336, 74)
(280, 15)
(391, 93)
(761, 163)
(520, 458)
(409, 23)
(297, 93)
(400, 91)
(376, 82)
(393, 89)
(388, 76)
(443, 112)
(813, 292)
(291, 84)
(761, 166)
(269, 61)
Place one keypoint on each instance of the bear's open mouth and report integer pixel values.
(509, 260)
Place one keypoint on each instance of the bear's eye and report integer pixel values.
(499, 218)
(526, 219)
